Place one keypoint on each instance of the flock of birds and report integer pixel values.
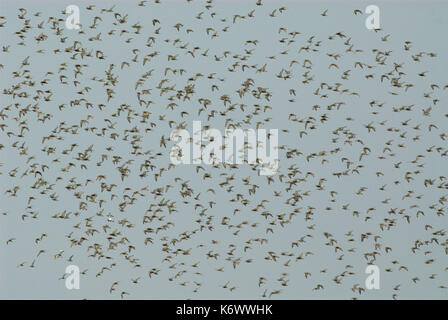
(85, 120)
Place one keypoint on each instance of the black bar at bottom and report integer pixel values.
(230, 309)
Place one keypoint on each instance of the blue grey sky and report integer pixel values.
(423, 23)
